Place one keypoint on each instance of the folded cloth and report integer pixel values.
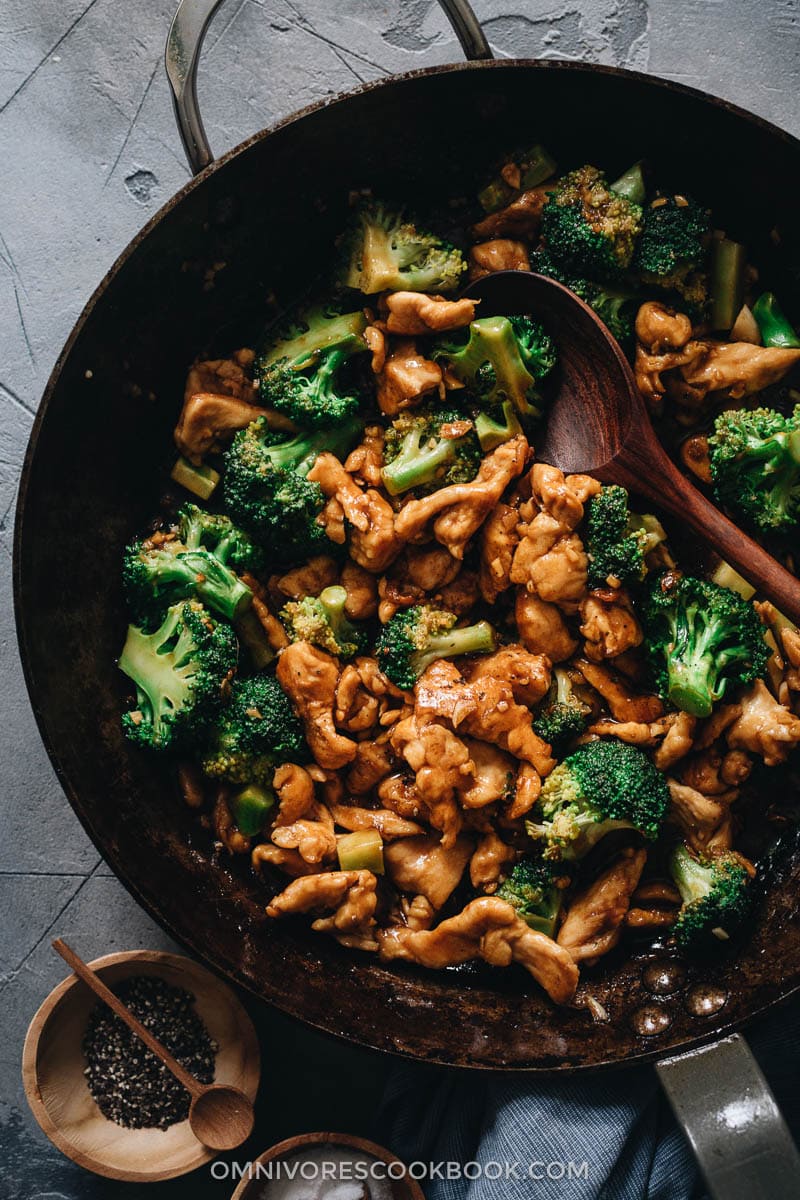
(601, 1136)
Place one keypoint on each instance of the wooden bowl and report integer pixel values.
(402, 1189)
(53, 1065)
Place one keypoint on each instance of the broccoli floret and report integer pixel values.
(256, 732)
(418, 636)
(231, 545)
(157, 575)
(563, 717)
(321, 619)
(617, 540)
(427, 448)
(179, 672)
(265, 487)
(500, 359)
(616, 307)
(386, 252)
(300, 375)
(532, 889)
(672, 251)
(701, 640)
(601, 786)
(587, 228)
(755, 466)
(715, 897)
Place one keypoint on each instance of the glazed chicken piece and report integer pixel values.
(208, 421)
(348, 895)
(310, 579)
(519, 219)
(362, 592)
(312, 837)
(678, 741)
(460, 596)
(355, 710)
(594, 921)
(501, 254)
(223, 377)
(412, 313)
(549, 560)
(288, 861)
(365, 462)
(423, 866)
(542, 629)
(672, 735)
(484, 709)
(494, 775)
(765, 727)
(499, 539)
(294, 789)
(489, 861)
(608, 624)
(696, 367)
(490, 929)
(399, 793)
(387, 823)
(561, 496)
(528, 674)
(527, 788)
(624, 703)
(373, 542)
(309, 678)
(704, 820)
(442, 766)
(272, 625)
(372, 763)
(419, 574)
(458, 511)
(405, 377)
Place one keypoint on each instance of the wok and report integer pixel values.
(98, 455)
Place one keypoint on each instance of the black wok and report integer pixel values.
(98, 456)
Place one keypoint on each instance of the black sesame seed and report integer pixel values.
(127, 1082)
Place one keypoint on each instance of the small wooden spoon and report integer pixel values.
(597, 422)
(221, 1117)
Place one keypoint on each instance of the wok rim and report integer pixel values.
(116, 860)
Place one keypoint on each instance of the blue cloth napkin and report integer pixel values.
(615, 1128)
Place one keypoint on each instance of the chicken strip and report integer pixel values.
(765, 727)
(701, 818)
(309, 579)
(519, 219)
(542, 629)
(528, 674)
(442, 766)
(458, 511)
(501, 254)
(366, 461)
(207, 421)
(288, 861)
(527, 788)
(490, 929)
(485, 710)
(362, 592)
(405, 378)
(294, 788)
(313, 839)
(348, 895)
(608, 624)
(499, 539)
(309, 678)
(594, 921)
(487, 863)
(494, 777)
(624, 703)
(387, 823)
(423, 866)
(411, 313)
(372, 763)
(373, 541)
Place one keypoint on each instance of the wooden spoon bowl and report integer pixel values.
(597, 423)
(53, 1064)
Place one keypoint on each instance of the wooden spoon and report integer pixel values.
(597, 422)
(221, 1117)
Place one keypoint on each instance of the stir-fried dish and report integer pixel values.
(451, 704)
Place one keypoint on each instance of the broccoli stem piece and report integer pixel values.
(728, 261)
(631, 184)
(200, 481)
(774, 326)
(493, 431)
(251, 807)
(361, 851)
(418, 636)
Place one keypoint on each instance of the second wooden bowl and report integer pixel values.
(53, 1065)
(253, 1187)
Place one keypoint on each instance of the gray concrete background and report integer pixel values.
(89, 153)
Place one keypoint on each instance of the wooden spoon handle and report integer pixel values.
(88, 976)
(655, 475)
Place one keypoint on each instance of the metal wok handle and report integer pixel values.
(726, 1109)
(185, 41)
